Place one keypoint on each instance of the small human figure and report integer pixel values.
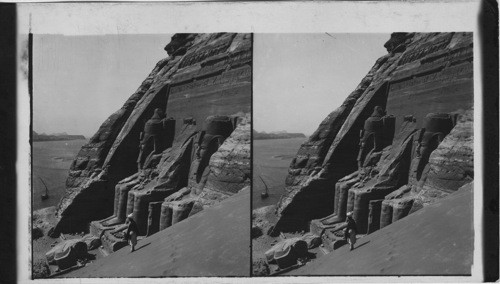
(350, 230)
(132, 232)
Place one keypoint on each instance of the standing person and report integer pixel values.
(132, 232)
(350, 230)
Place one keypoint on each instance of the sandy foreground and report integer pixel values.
(214, 242)
(436, 240)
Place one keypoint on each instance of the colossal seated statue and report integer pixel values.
(206, 143)
(170, 197)
(436, 127)
(378, 132)
(382, 172)
(371, 135)
(157, 136)
(217, 129)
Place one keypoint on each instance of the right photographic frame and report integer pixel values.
(363, 154)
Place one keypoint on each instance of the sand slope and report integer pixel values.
(437, 240)
(214, 242)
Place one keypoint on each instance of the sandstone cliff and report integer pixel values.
(414, 148)
(194, 103)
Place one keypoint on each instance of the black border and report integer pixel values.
(488, 31)
(8, 143)
(488, 22)
(251, 160)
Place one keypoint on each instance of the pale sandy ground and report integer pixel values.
(436, 240)
(214, 242)
(43, 219)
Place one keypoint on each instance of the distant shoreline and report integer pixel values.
(281, 135)
(53, 138)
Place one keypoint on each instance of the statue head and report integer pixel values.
(158, 114)
(378, 111)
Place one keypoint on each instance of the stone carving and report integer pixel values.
(143, 196)
(217, 129)
(358, 193)
(372, 141)
(189, 200)
(439, 174)
(437, 126)
(401, 202)
(143, 199)
(374, 215)
(154, 217)
(157, 136)
(355, 191)
(156, 190)
(377, 133)
(137, 193)
(451, 165)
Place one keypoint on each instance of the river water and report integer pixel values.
(271, 159)
(51, 163)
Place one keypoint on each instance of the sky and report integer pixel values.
(79, 81)
(300, 78)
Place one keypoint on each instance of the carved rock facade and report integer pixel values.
(400, 141)
(163, 154)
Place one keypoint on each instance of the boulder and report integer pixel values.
(67, 253)
(91, 241)
(36, 233)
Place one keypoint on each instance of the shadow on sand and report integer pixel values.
(145, 245)
(356, 247)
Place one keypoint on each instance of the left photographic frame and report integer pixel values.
(140, 154)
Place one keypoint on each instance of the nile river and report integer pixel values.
(271, 159)
(51, 163)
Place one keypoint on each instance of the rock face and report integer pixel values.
(165, 134)
(401, 140)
